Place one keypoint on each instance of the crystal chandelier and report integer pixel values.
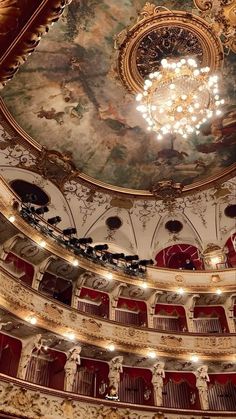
(179, 98)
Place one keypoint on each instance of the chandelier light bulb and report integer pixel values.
(179, 97)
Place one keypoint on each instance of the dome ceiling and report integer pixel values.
(68, 97)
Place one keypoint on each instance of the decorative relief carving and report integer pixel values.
(9, 13)
(31, 404)
(53, 312)
(91, 325)
(171, 341)
(222, 15)
(31, 37)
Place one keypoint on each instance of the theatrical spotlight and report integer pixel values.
(74, 241)
(146, 262)
(101, 247)
(130, 258)
(89, 251)
(69, 231)
(41, 210)
(85, 240)
(54, 220)
(117, 256)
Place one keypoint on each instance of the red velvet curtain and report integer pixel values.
(102, 298)
(211, 312)
(174, 257)
(231, 257)
(10, 350)
(21, 266)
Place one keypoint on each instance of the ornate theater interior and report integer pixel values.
(117, 209)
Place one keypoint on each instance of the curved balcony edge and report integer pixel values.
(158, 278)
(24, 302)
(27, 400)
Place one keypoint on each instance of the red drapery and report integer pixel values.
(23, 268)
(231, 256)
(174, 257)
(99, 297)
(10, 350)
(210, 312)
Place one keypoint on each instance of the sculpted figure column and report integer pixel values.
(27, 348)
(158, 374)
(201, 384)
(72, 362)
(115, 368)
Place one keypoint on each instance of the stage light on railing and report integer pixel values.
(151, 354)
(218, 291)
(54, 220)
(194, 358)
(41, 210)
(12, 218)
(180, 291)
(111, 347)
(69, 231)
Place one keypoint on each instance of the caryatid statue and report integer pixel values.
(158, 374)
(115, 368)
(35, 342)
(201, 384)
(71, 365)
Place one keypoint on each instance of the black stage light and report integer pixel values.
(54, 220)
(41, 210)
(101, 247)
(69, 231)
(134, 266)
(89, 251)
(74, 241)
(85, 240)
(130, 258)
(146, 262)
(117, 256)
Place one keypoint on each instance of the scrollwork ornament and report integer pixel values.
(9, 14)
(222, 15)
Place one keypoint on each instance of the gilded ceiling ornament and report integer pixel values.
(9, 13)
(167, 189)
(222, 15)
(160, 33)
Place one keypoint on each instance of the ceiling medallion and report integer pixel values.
(159, 34)
(178, 98)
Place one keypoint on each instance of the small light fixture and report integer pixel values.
(180, 291)
(152, 354)
(70, 336)
(111, 347)
(218, 291)
(12, 218)
(42, 243)
(194, 358)
(108, 275)
(144, 285)
(32, 320)
(75, 262)
(45, 347)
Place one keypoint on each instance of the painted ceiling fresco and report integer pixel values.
(68, 98)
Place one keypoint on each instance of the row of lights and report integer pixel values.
(108, 275)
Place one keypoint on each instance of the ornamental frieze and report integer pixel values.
(63, 320)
